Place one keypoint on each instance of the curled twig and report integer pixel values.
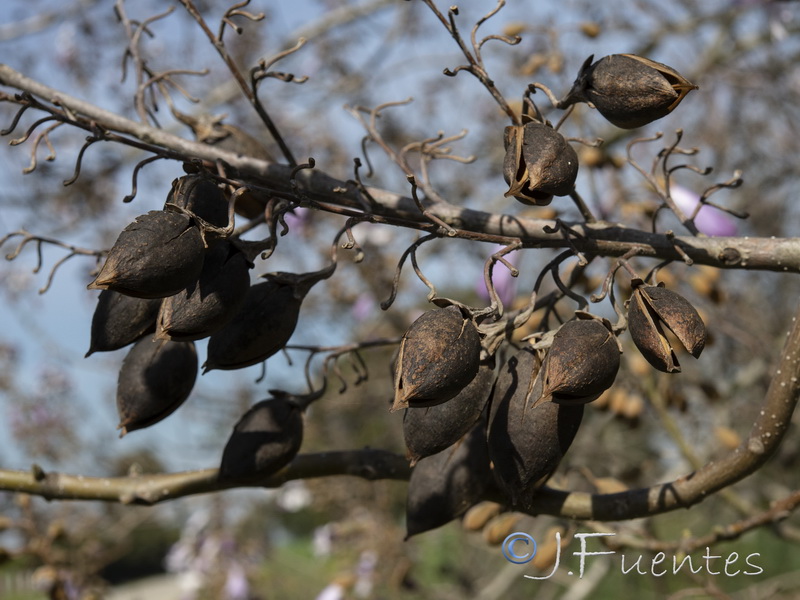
(28, 237)
(396, 280)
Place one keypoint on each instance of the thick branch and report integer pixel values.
(773, 254)
(152, 489)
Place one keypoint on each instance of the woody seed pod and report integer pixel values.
(629, 91)
(200, 195)
(214, 299)
(539, 163)
(431, 429)
(582, 362)
(156, 377)
(527, 441)
(439, 355)
(120, 320)
(444, 486)
(263, 326)
(265, 439)
(156, 256)
(650, 309)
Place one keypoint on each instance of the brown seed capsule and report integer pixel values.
(156, 377)
(629, 91)
(443, 486)
(527, 442)
(582, 362)
(200, 195)
(263, 326)
(156, 256)
(439, 355)
(539, 163)
(650, 309)
(214, 299)
(265, 439)
(120, 320)
(431, 429)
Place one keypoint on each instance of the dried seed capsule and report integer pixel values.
(120, 320)
(439, 355)
(629, 91)
(156, 256)
(431, 429)
(261, 328)
(265, 439)
(444, 486)
(650, 309)
(527, 441)
(539, 163)
(214, 299)
(200, 195)
(479, 515)
(156, 377)
(582, 362)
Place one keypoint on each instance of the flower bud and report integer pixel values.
(539, 163)
(650, 309)
(629, 91)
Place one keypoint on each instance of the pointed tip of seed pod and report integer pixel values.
(400, 402)
(96, 285)
(88, 353)
(206, 368)
(123, 430)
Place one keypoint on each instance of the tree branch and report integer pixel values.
(771, 254)
(765, 436)
(152, 489)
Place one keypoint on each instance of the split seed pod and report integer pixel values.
(527, 441)
(265, 439)
(629, 91)
(439, 355)
(264, 323)
(214, 299)
(120, 320)
(156, 377)
(200, 195)
(431, 429)
(156, 256)
(539, 163)
(650, 309)
(582, 362)
(444, 486)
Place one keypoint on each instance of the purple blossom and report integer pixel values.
(504, 283)
(709, 220)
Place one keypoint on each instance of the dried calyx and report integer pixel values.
(539, 163)
(651, 309)
(629, 91)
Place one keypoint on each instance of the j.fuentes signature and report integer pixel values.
(520, 548)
